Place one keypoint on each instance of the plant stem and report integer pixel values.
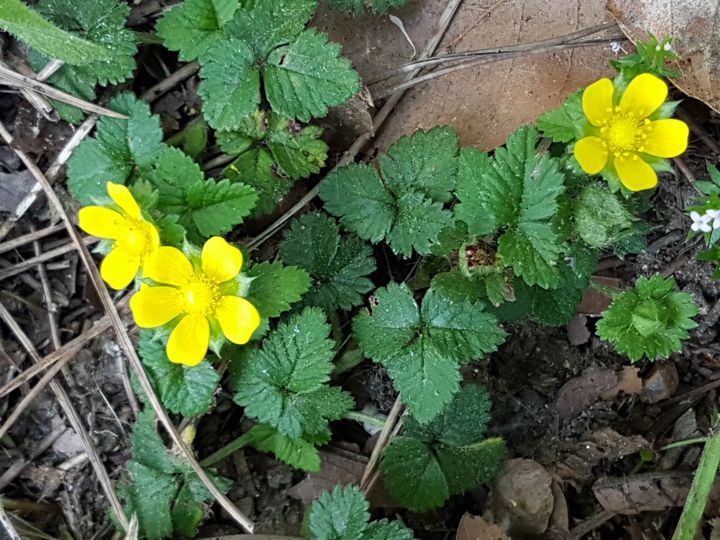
(699, 491)
(685, 442)
(227, 450)
(365, 419)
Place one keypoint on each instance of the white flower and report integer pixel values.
(668, 47)
(701, 222)
(615, 47)
(715, 216)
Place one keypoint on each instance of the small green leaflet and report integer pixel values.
(117, 149)
(183, 390)
(298, 151)
(194, 26)
(298, 453)
(255, 169)
(423, 347)
(275, 287)
(358, 7)
(650, 320)
(404, 205)
(339, 266)
(343, 514)
(148, 494)
(204, 207)
(428, 464)
(284, 383)
(516, 190)
(564, 124)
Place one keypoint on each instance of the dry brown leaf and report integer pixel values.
(594, 384)
(487, 102)
(476, 528)
(695, 28)
(594, 302)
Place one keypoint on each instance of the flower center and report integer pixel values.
(136, 237)
(624, 132)
(201, 295)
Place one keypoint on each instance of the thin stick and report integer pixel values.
(698, 130)
(382, 441)
(12, 534)
(70, 413)
(49, 70)
(49, 304)
(125, 341)
(30, 237)
(29, 263)
(14, 79)
(16, 468)
(363, 139)
(687, 173)
(185, 72)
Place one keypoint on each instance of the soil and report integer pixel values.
(567, 402)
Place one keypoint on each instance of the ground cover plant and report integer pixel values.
(414, 267)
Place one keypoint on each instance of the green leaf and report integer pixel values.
(183, 390)
(147, 446)
(188, 511)
(118, 147)
(29, 26)
(423, 347)
(467, 467)
(476, 195)
(419, 222)
(195, 26)
(283, 384)
(650, 320)
(532, 256)
(600, 218)
(196, 139)
(306, 77)
(565, 123)
(342, 513)
(276, 287)
(358, 7)
(387, 530)
(255, 169)
(298, 151)
(266, 25)
(339, 266)
(298, 453)
(149, 496)
(230, 86)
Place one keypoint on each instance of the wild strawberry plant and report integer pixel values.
(358, 7)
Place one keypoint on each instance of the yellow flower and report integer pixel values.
(621, 134)
(203, 296)
(133, 237)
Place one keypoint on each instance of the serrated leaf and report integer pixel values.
(650, 320)
(276, 287)
(358, 7)
(183, 390)
(565, 123)
(418, 224)
(283, 384)
(298, 151)
(423, 347)
(188, 510)
(474, 195)
(387, 530)
(297, 453)
(117, 148)
(266, 25)
(230, 86)
(149, 496)
(468, 466)
(147, 446)
(532, 259)
(339, 266)
(342, 513)
(255, 169)
(306, 77)
(195, 26)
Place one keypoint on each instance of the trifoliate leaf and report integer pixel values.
(565, 123)
(255, 169)
(404, 206)
(650, 320)
(148, 495)
(600, 218)
(298, 453)
(117, 148)
(266, 25)
(516, 189)
(306, 77)
(284, 383)
(423, 347)
(276, 287)
(342, 513)
(298, 151)
(230, 86)
(339, 266)
(183, 390)
(430, 463)
(195, 26)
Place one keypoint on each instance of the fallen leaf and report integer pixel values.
(629, 383)
(476, 528)
(580, 392)
(661, 382)
(695, 28)
(338, 467)
(594, 302)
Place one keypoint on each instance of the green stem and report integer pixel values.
(702, 484)
(227, 450)
(685, 442)
(365, 419)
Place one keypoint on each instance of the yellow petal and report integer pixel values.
(644, 95)
(634, 173)
(666, 138)
(168, 265)
(591, 154)
(238, 318)
(189, 340)
(119, 268)
(155, 306)
(123, 198)
(100, 222)
(598, 101)
(220, 260)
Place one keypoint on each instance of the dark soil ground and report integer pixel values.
(561, 396)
